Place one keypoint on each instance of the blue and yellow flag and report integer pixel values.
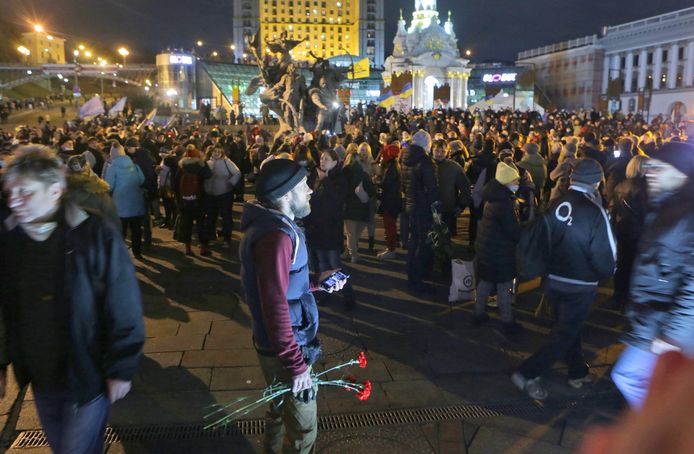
(386, 99)
(360, 69)
(406, 90)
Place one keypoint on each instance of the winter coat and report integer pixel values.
(225, 175)
(615, 173)
(453, 185)
(662, 281)
(587, 151)
(422, 190)
(355, 209)
(584, 249)
(391, 195)
(498, 234)
(325, 226)
(535, 164)
(103, 300)
(628, 210)
(144, 160)
(126, 179)
(90, 192)
(561, 176)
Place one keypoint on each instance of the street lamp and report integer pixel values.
(468, 52)
(38, 28)
(88, 54)
(124, 53)
(24, 51)
(199, 43)
(81, 47)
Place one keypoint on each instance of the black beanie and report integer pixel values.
(132, 143)
(587, 171)
(679, 155)
(276, 178)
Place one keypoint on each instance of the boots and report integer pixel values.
(372, 242)
(189, 250)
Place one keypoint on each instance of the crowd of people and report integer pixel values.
(611, 196)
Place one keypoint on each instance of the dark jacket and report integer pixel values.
(628, 210)
(615, 173)
(422, 189)
(587, 151)
(195, 166)
(325, 224)
(498, 234)
(391, 195)
(662, 282)
(454, 186)
(103, 298)
(144, 161)
(583, 245)
(355, 209)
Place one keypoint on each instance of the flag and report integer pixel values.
(386, 99)
(148, 119)
(170, 122)
(92, 108)
(406, 90)
(360, 69)
(117, 107)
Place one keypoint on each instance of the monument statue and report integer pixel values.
(298, 108)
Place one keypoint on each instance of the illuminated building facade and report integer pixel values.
(44, 48)
(330, 28)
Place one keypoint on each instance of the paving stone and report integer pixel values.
(220, 358)
(157, 379)
(231, 378)
(194, 327)
(174, 343)
(160, 328)
(413, 393)
(491, 441)
(166, 359)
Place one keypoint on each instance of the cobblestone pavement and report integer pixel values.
(440, 385)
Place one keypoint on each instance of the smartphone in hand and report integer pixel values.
(333, 279)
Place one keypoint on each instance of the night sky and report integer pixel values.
(493, 29)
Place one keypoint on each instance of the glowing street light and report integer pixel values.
(199, 43)
(232, 47)
(123, 53)
(171, 92)
(88, 54)
(76, 53)
(468, 52)
(214, 54)
(81, 47)
(24, 51)
(38, 28)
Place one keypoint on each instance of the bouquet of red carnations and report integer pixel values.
(241, 406)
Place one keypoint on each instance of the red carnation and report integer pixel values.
(365, 393)
(362, 360)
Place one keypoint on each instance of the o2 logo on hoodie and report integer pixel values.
(567, 209)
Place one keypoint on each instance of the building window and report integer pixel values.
(636, 60)
(649, 60)
(665, 52)
(680, 53)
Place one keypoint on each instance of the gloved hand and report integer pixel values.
(306, 395)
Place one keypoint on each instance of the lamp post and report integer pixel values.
(124, 53)
(76, 89)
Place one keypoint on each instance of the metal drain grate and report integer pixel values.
(36, 438)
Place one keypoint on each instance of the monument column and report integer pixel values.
(418, 88)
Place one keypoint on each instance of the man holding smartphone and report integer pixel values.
(278, 289)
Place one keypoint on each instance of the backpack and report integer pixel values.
(189, 186)
(534, 249)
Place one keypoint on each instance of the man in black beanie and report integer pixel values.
(278, 289)
(662, 287)
(583, 251)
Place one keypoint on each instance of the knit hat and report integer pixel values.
(505, 174)
(679, 155)
(423, 139)
(278, 177)
(532, 148)
(132, 143)
(587, 171)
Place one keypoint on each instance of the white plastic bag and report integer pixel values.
(462, 281)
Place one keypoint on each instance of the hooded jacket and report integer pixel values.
(88, 191)
(103, 300)
(498, 234)
(583, 247)
(662, 282)
(126, 179)
(535, 164)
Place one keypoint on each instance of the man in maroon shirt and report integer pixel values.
(278, 289)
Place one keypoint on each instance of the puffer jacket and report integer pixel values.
(498, 234)
(422, 188)
(662, 282)
(92, 193)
